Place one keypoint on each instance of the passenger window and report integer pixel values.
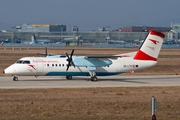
(56, 65)
(59, 65)
(53, 65)
(48, 65)
(63, 65)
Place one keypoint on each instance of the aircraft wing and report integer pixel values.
(130, 54)
(99, 57)
(111, 57)
(52, 55)
(95, 61)
(45, 54)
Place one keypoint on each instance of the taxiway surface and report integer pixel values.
(84, 82)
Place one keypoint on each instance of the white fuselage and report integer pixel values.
(43, 66)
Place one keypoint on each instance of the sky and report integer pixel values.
(90, 14)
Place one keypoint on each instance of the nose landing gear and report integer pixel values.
(15, 78)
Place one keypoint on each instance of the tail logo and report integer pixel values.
(154, 41)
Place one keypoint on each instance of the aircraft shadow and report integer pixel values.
(113, 79)
(118, 79)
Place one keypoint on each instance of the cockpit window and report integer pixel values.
(26, 62)
(19, 61)
(23, 62)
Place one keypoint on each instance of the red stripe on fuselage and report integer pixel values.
(143, 56)
(32, 66)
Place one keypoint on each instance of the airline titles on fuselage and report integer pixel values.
(45, 61)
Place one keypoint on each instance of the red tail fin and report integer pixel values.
(151, 47)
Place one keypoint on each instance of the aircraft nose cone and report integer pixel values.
(9, 70)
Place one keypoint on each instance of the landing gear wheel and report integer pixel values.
(69, 77)
(15, 78)
(94, 78)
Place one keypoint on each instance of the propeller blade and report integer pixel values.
(68, 66)
(73, 64)
(72, 53)
(67, 55)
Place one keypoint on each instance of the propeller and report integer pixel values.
(69, 59)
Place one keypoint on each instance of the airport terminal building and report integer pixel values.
(40, 28)
(57, 33)
(144, 29)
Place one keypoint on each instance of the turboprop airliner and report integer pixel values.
(93, 66)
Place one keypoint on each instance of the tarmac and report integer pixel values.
(85, 82)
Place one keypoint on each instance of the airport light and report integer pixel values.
(153, 107)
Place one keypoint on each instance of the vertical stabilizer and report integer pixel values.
(33, 39)
(151, 47)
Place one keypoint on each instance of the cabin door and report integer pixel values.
(40, 66)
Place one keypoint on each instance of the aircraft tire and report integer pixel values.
(94, 78)
(69, 77)
(15, 78)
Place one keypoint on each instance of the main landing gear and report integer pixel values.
(94, 78)
(15, 78)
(69, 77)
(93, 75)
